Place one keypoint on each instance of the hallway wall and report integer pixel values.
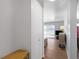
(23, 21)
(14, 19)
(7, 27)
(36, 30)
(70, 29)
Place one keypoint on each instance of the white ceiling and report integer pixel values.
(61, 4)
(56, 10)
(58, 6)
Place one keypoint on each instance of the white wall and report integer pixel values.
(49, 11)
(14, 25)
(70, 29)
(61, 15)
(22, 11)
(19, 17)
(78, 10)
(7, 27)
(36, 30)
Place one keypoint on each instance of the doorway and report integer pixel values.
(52, 47)
(54, 33)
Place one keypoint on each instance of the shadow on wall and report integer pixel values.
(40, 2)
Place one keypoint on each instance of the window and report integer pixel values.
(49, 31)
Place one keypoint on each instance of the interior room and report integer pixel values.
(55, 41)
(33, 29)
(54, 33)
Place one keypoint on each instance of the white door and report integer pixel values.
(36, 30)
